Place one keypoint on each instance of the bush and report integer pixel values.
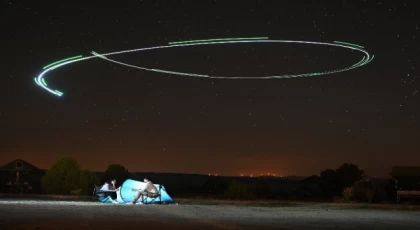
(348, 193)
(76, 192)
(338, 199)
(263, 189)
(333, 182)
(66, 178)
(87, 181)
(62, 177)
(118, 172)
(370, 193)
(238, 191)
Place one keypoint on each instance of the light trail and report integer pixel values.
(39, 80)
(217, 39)
(63, 60)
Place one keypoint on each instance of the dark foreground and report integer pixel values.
(91, 215)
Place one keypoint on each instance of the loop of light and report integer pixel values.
(40, 79)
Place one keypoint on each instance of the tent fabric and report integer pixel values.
(126, 193)
(107, 199)
(102, 192)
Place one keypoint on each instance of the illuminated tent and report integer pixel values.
(127, 195)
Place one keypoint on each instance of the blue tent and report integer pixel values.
(127, 195)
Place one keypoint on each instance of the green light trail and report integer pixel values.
(217, 40)
(179, 73)
(359, 61)
(36, 81)
(350, 44)
(57, 62)
(365, 60)
(371, 59)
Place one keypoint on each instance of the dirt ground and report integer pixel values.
(36, 214)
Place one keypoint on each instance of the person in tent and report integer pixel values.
(110, 190)
(150, 190)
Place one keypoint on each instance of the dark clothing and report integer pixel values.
(113, 195)
(111, 192)
(111, 187)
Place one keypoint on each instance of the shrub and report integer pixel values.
(338, 199)
(62, 177)
(87, 180)
(370, 193)
(348, 193)
(66, 178)
(118, 172)
(76, 192)
(238, 191)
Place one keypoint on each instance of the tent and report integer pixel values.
(127, 195)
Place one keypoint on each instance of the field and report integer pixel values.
(203, 214)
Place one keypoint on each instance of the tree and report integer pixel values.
(87, 181)
(62, 177)
(262, 188)
(238, 191)
(334, 181)
(210, 185)
(329, 183)
(118, 172)
(348, 174)
(348, 193)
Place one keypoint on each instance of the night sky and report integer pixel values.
(167, 123)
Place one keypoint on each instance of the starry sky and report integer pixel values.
(160, 122)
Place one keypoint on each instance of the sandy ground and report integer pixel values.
(35, 214)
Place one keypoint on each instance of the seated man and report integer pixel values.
(109, 189)
(150, 190)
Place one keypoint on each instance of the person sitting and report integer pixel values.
(150, 190)
(111, 190)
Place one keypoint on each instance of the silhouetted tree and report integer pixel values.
(262, 189)
(87, 180)
(348, 174)
(391, 191)
(211, 185)
(118, 172)
(310, 187)
(65, 178)
(238, 191)
(62, 178)
(332, 182)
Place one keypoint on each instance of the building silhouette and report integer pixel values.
(20, 176)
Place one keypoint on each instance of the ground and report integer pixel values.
(38, 214)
